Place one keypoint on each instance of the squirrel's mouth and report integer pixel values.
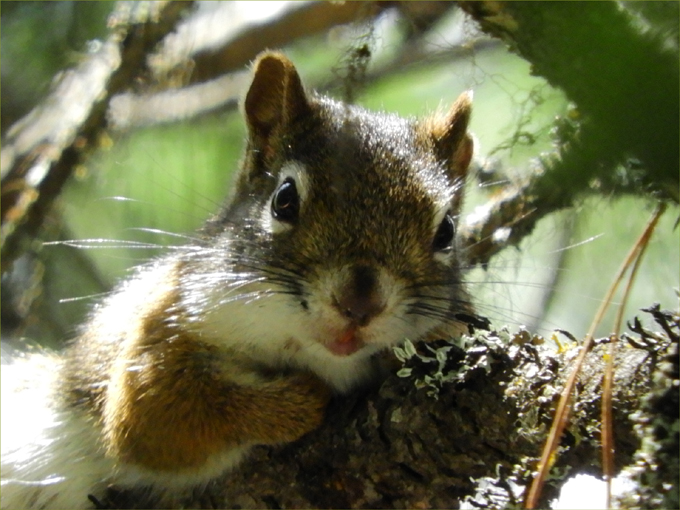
(347, 343)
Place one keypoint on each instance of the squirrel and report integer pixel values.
(337, 242)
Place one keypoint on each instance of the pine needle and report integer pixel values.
(549, 453)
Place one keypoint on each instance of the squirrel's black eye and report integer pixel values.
(286, 201)
(443, 239)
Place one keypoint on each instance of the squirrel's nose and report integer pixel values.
(359, 309)
(359, 299)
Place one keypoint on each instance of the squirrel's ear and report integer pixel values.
(275, 97)
(450, 137)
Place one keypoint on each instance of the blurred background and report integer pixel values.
(167, 158)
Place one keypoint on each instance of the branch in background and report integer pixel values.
(512, 213)
(242, 41)
(226, 39)
(225, 90)
(131, 110)
(624, 83)
(623, 80)
(41, 151)
(503, 221)
(210, 50)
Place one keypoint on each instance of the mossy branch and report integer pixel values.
(622, 135)
(460, 420)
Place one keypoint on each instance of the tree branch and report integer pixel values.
(458, 420)
(623, 137)
(623, 79)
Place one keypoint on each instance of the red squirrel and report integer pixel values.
(337, 242)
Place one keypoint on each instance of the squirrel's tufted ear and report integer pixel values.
(450, 137)
(275, 98)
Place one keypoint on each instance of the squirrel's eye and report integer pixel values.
(286, 202)
(443, 239)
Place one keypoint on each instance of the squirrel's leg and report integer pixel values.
(173, 407)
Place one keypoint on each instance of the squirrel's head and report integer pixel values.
(343, 221)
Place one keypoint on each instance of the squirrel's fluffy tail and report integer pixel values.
(50, 458)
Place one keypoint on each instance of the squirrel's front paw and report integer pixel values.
(291, 406)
